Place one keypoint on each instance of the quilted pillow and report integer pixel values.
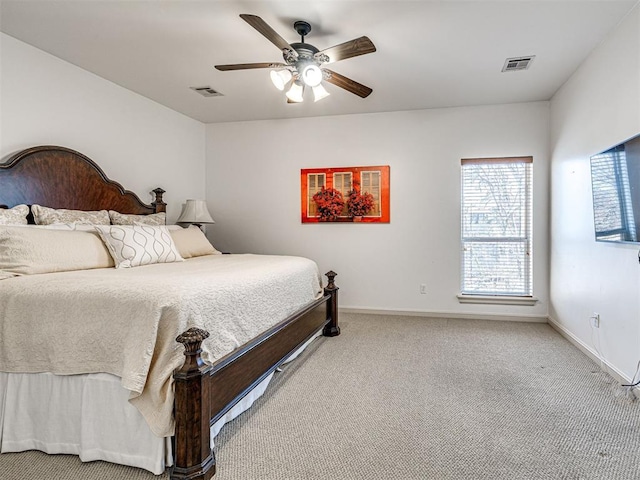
(27, 251)
(126, 219)
(191, 242)
(14, 216)
(136, 245)
(46, 216)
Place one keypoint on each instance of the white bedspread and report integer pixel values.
(124, 321)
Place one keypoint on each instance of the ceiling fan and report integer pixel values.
(304, 65)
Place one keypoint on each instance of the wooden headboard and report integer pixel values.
(59, 177)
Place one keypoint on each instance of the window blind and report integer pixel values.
(496, 226)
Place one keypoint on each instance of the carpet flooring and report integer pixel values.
(417, 398)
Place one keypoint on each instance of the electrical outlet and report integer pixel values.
(423, 288)
(595, 320)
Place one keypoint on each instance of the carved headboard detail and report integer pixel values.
(59, 177)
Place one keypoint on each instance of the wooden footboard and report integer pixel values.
(204, 393)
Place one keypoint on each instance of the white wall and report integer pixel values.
(253, 190)
(596, 109)
(137, 142)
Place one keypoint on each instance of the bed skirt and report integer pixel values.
(89, 416)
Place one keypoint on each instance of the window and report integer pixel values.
(612, 196)
(496, 226)
(315, 182)
(370, 183)
(342, 183)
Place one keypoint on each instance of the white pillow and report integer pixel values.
(56, 226)
(14, 216)
(46, 216)
(127, 219)
(27, 251)
(136, 245)
(59, 226)
(191, 242)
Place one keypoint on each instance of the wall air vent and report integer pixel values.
(517, 63)
(206, 91)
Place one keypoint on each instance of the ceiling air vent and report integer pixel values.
(517, 63)
(206, 91)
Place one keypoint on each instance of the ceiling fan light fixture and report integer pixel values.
(280, 78)
(305, 63)
(311, 75)
(295, 92)
(319, 93)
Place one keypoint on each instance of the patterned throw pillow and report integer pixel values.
(126, 219)
(47, 216)
(14, 216)
(137, 245)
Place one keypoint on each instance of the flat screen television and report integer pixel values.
(615, 181)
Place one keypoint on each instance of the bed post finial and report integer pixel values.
(194, 459)
(158, 204)
(332, 329)
(192, 340)
(331, 275)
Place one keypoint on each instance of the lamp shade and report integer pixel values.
(280, 78)
(195, 211)
(319, 93)
(295, 92)
(311, 75)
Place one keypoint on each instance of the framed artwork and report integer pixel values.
(345, 194)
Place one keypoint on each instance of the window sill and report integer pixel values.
(497, 299)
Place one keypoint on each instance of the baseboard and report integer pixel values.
(457, 315)
(593, 355)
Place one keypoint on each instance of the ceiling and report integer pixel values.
(430, 54)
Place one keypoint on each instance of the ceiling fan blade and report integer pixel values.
(246, 66)
(353, 48)
(269, 33)
(348, 84)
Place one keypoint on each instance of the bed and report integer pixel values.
(216, 380)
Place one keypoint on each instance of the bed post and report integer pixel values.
(331, 329)
(194, 459)
(158, 204)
